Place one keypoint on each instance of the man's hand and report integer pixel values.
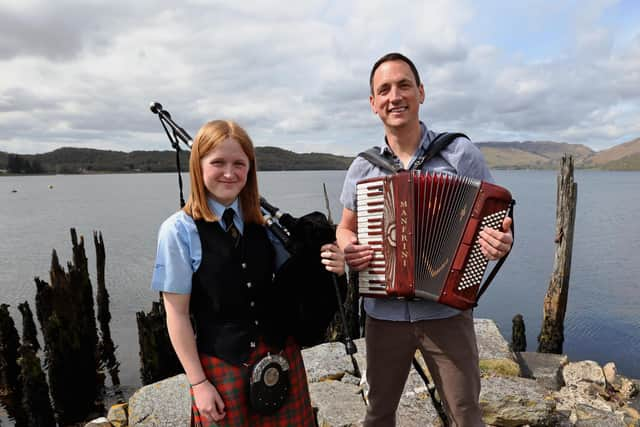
(495, 244)
(357, 256)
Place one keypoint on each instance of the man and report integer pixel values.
(396, 328)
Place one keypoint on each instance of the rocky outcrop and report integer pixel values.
(518, 389)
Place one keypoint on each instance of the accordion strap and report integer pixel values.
(496, 268)
(374, 156)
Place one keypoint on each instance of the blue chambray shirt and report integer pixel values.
(179, 251)
(461, 157)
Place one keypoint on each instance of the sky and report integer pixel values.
(295, 73)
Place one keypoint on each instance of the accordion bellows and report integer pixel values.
(423, 228)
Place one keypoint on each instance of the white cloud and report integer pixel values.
(295, 74)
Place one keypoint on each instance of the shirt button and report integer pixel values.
(252, 303)
(252, 344)
(248, 284)
(244, 265)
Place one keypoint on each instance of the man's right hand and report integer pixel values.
(357, 256)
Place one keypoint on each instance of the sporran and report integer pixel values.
(269, 384)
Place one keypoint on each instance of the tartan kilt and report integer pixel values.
(232, 383)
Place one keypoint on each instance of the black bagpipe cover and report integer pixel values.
(303, 283)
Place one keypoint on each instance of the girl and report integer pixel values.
(215, 263)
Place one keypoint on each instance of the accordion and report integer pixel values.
(423, 228)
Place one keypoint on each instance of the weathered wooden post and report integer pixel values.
(35, 390)
(106, 346)
(29, 333)
(10, 388)
(551, 336)
(9, 344)
(518, 334)
(158, 360)
(66, 314)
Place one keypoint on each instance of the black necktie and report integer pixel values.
(227, 217)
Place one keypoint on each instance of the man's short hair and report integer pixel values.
(394, 56)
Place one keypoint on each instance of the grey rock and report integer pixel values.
(165, 403)
(338, 404)
(508, 401)
(587, 416)
(491, 343)
(327, 361)
(583, 371)
(545, 368)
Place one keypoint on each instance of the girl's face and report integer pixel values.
(224, 171)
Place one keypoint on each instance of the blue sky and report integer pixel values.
(295, 73)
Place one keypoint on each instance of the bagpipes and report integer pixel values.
(309, 295)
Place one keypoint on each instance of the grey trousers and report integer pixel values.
(450, 352)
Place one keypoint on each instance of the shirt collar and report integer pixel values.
(425, 140)
(218, 208)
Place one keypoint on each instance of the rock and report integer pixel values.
(326, 362)
(570, 397)
(118, 415)
(585, 371)
(610, 372)
(628, 389)
(98, 422)
(165, 403)
(492, 345)
(545, 368)
(587, 416)
(338, 404)
(515, 402)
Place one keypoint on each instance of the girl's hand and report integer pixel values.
(332, 258)
(208, 401)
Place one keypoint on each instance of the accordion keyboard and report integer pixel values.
(370, 208)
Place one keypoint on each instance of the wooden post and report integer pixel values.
(551, 335)
(35, 390)
(10, 388)
(158, 360)
(518, 334)
(29, 333)
(66, 314)
(106, 346)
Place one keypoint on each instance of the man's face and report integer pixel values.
(396, 97)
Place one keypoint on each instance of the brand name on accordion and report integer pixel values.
(404, 238)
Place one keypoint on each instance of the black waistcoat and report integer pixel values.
(232, 298)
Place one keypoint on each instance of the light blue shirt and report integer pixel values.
(461, 157)
(179, 251)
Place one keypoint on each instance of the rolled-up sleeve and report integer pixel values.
(178, 255)
(359, 169)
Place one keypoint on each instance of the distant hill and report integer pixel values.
(499, 155)
(89, 160)
(532, 154)
(620, 156)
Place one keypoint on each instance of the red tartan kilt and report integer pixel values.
(232, 384)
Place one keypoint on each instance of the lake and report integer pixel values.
(602, 321)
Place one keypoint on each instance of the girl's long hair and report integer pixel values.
(208, 138)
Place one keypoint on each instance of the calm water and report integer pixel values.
(602, 320)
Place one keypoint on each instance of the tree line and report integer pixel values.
(18, 164)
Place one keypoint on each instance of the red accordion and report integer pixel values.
(423, 228)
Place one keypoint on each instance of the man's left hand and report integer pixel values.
(495, 244)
